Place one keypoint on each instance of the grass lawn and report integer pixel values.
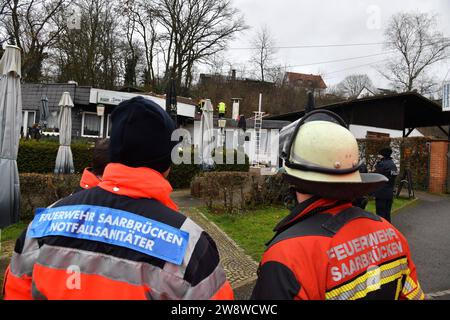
(8, 238)
(12, 232)
(254, 228)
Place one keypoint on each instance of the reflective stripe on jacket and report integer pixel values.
(325, 250)
(58, 267)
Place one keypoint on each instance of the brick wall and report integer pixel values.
(438, 166)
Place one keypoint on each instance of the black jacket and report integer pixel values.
(386, 167)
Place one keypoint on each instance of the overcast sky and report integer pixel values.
(324, 22)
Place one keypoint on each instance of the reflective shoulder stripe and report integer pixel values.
(195, 232)
(208, 287)
(22, 262)
(112, 226)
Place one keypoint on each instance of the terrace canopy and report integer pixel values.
(403, 111)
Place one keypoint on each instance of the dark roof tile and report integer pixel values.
(32, 94)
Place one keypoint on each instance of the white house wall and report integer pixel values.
(269, 142)
(360, 132)
(109, 97)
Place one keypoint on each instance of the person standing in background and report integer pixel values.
(384, 196)
(222, 109)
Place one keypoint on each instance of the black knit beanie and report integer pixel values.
(141, 135)
(386, 152)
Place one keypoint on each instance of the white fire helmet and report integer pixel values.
(321, 157)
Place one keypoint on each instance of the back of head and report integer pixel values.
(386, 152)
(321, 157)
(100, 156)
(141, 135)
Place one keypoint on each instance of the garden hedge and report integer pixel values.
(408, 153)
(181, 175)
(41, 190)
(39, 156)
(236, 192)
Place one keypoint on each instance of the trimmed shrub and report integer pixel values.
(40, 156)
(182, 175)
(227, 188)
(41, 190)
(415, 155)
(409, 153)
(233, 192)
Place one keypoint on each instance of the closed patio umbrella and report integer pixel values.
(10, 123)
(64, 159)
(171, 101)
(43, 111)
(207, 135)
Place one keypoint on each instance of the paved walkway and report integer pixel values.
(240, 268)
(426, 225)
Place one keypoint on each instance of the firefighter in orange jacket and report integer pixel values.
(125, 238)
(326, 249)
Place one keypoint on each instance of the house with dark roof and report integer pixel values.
(91, 114)
(406, 114)
(306, 81)
(34, 93)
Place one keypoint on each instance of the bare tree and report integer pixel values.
(216, 63)
(195, 31)
(32, 25)
(352, 85)
(142, 15)
(264, 52)
(91, 56)
(418, 44)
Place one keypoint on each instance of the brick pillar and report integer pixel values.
(438, 167)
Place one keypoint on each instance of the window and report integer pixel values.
(377, 135)
(91, 125)
(28, 119)
(52, 121)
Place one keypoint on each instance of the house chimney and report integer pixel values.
(233, 74)
(236, 104)
(311, 103)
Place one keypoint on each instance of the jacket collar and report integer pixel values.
(137, 183)
(89, 180)
(309, 207)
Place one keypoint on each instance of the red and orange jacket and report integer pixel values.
(329, 250)
(69, 266)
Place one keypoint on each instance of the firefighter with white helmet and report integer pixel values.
(326, 249)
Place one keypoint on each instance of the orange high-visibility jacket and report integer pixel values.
(72, 267)
(327, 250)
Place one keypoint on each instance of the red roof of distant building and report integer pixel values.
(306, 80)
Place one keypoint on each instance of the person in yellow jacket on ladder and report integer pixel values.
(222, 109)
